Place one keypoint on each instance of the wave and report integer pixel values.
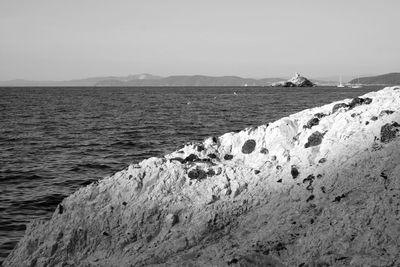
(45, 203)
(92, 166)
(19, 178)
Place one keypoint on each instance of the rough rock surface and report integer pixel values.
(333, 202)
(296, 81)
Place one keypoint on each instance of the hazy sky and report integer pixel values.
(60, 40)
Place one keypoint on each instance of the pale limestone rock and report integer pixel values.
(339, 207)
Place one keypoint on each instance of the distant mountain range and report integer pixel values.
(385, 79)
(94, 81)
(151, 80)
(190, 80)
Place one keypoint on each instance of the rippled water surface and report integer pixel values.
(55, 140)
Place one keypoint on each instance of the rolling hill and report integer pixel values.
(385, 79)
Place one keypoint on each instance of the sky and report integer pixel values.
(62, 40)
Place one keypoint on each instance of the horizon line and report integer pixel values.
(186, 75)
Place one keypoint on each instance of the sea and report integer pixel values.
(54, 140)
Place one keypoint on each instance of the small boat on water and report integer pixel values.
(341, 85)
(357, 85)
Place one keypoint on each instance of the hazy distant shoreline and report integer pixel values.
(141, 80)
(149, 80)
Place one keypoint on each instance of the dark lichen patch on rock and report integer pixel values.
(228, 157)
(197, 174)
(309, 178)
(389, 132)
(232, 261)
(319, 115)
(359, 101)
(212, 156)
(249, 146)
(210, 172)
(312, 122)
(367, 101)
(353, 103)
(294, 172)
(181, 160)
(204, 160)
(199, 148)
(310, 198)
(339, 198)
(191, 158)
(264, 151)
(314, 139)
(339, 106)
(386, 112)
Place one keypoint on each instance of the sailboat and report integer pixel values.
(357, 85)
(341, 85)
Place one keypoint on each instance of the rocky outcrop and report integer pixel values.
(317, 188)
(296, 81)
